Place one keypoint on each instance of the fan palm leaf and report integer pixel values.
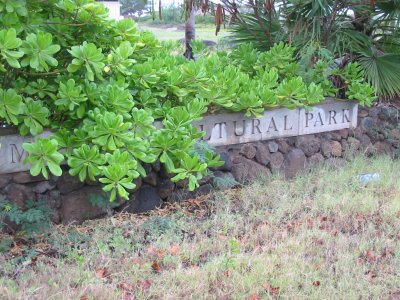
(382, 71)
(252, 29)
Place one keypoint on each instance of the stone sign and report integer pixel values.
(226, 129)
(328, 117)
(12, 154)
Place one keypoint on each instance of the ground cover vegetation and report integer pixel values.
(100, 84)
(323, 235)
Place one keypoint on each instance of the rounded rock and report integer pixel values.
(263, 155)
(248, 150)
(276, 161)
(273, 147)
(315, 160)
(367, 123)
(308, 144)
(295, 161)
(284, 147)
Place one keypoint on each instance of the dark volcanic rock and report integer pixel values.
(315, 160)
(273, 146)
(144, 200)
(309, 144)
(17, 194)
(365, 141)
(263, 155)
(183, 194)
(151, 179)
(276, 161)
(43, 187)
(353, 145)
(67, 183)
(76, 206)
(295, 161)
(247, 170)
(26, 177)
(383, 148)
(344, 133)
(331, 148)
(165, 188)
(4, 180)
(248, 150)
(284, 146)
(227, 166)
(367, 123)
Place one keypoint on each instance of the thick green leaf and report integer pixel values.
(87, 58)
(44, 153)
(11, 106)
(9, 42)
(39, 51)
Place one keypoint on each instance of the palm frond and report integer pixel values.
(389, 11)
(345, 40)
(382, 71)
(256, 30)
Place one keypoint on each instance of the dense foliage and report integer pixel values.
(99, 85)
(352, 30)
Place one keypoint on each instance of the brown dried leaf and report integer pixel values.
(310, 224)
(254, 296)
(371, 275)
(101, 272)
(137, 261)
(370, 255)
(273, 291)
(219, 18)
(174, 250)
(145, 284)
(156, 267)
(125, 286)
(152, 251)
(268, 5)
(128, 295)
(316, 283)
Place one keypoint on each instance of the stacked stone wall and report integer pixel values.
(378, 132)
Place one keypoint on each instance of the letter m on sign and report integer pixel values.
(17, 156)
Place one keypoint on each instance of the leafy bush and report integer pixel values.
(35, 218)
(359, 31)
(100, 85)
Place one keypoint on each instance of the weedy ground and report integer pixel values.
(323, 235)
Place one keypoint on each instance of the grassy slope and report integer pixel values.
(203, 32)
(321, 236)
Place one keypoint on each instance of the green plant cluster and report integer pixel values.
(360, 31)
(100, 85)
(67, 67)
(245, 79)
(33, 219)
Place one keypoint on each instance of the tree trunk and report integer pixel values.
(190, 33)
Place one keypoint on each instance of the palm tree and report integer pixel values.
(190, 27)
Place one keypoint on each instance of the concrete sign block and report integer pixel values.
(227, 129)
(328, 117)
(12, 154)
(236, 128)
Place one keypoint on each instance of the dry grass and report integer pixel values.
(320, 236)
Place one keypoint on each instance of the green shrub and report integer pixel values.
(33, 219)
(99, 85)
